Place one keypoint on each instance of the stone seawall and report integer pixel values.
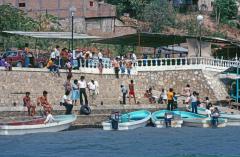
(14, 84)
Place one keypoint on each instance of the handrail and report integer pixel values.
(157, 64)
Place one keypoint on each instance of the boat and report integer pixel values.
(21, 120)
(62, 122)
(197, 120)
(128, 121)
(232, 116)
(159, 121)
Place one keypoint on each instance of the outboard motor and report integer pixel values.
(115, 120)
(85, 109)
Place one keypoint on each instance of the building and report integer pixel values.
(91, 16)
(60, 8)
(196, 5)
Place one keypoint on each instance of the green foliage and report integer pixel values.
(225, 10)
(14, 19)
(133, 7)
(160, 14)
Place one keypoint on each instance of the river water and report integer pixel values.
(142, 142)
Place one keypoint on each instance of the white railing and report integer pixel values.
(184, 63)
(159, 64)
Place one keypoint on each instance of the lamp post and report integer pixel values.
(200, 22)
(72, 11)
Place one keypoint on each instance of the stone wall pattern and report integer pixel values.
(14, 84)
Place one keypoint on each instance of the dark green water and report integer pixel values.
(143, 142)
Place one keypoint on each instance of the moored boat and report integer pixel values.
(131, 120)
(62, 122)
(196, 120)
(158, 119)
(232, 116)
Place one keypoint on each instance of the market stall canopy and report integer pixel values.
(157, 40)
(173, 49)
(52, 35)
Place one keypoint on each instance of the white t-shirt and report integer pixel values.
(57, 53)
(67, 99)
(193, 98)
(82, 84)
(100, 56)
(164, 95)
(91, 86)
(53, 54)
(49, 119)
(134, 57)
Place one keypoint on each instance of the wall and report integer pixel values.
(14, 84)
(60, 8)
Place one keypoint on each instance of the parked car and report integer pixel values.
(16, 58)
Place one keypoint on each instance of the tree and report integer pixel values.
(160, 14)
(15, 19)
(225, 10)
(133, 7)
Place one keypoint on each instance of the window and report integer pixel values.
(21, 5)
(91, 3)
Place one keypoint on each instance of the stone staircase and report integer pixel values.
(216, 85)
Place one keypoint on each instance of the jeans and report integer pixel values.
(194, 107)
(83, 92)
(68, 108)
(116, 69)
(124, 98)
(170, 105)
(167, 122)
(214, 121)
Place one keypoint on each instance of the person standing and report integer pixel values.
(132, 92)
(194, 99)
(129, 67)
(27, 102)
(100, 66)
(163, 96)
(170, 99)
(116, 66)
(26, 58)
(57, 56)
(92, 90)
(68, 85)
(82, 90)
(124, 93)
(75, 92)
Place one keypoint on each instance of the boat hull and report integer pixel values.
(62, 123)
(132, 124)
(159, 122)
(196, 120)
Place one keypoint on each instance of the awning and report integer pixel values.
(229, 76)
(52, 35)
(174, 49)
(158, 40)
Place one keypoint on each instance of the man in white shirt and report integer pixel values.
(92, 90)
(134, 58)
(82, 87)
(67, 102)
(57, 55)
(100, 55)
(53, 55)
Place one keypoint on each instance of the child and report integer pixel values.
(27, 102)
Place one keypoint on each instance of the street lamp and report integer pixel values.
(72, 11)
(200, 23)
